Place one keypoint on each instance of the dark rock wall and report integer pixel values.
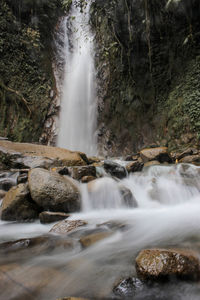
(27, 84)
(148, 73)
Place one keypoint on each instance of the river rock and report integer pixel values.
(18, 206)
(132, 157)
(22, 178)
(127, 287)
(115, 169)
(2, 194)
(191, 159)
(51, 217)
(160, 153)
(86, 179)
(188, 152)
(151, 163)
(127, 196)
(135, 166)
(79, 172)
(158, 264)
(35, 246)
(22, 155)
(67, 226)
(93, 238)
(6, 184)
(53, 192)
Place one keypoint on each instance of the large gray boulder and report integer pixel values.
(18, 206)
(53, 192)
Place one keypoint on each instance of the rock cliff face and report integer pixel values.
(148, 71)
(147, 60)
(27, 85)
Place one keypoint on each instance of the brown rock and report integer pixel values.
(162, 263)
(86, 179)
(94, 159)
(25, 248)
(53, 192)
(134, 166)
(188, 152)
(51, 217)
(93, 238)
(151, 163)
(27, 282)
(67, 226)
(2, 194)
(79, 172)
(18, 206)
(191, 159)
(13, 151)
(160, 153)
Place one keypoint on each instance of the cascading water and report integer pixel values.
(78, 100)
(168, 199)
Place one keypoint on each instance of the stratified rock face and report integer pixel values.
(53, 192)
(25, 155)
(160, 154)
(158, 264)
(148, 73)
(67, 226)
(17, 205)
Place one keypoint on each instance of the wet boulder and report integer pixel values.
(22, 178)
(159, 153)
(51, 217)
(18, 206)
(156, 264)
(79, 172)
(2, 194)
(28, 247)
(114, 169)
(91, 239)
(86, 179)
(135, 166)
(67, 226)
(151, 163)
(53, 192)
(127, 196)
(191, 159)
(128, 287)
(188, 152)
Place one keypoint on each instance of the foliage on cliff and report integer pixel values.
(26, 77)
(147, 59)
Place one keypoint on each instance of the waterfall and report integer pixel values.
(78, 99)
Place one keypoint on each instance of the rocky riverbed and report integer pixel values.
(115, 228)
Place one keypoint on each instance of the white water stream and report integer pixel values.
(78, 101)
(167, 215)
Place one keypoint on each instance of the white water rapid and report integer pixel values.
(78, 100)
(168, 200)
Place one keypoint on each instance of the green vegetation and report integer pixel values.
(26, 77)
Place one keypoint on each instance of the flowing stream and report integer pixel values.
(78, 99)
(168, 200)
